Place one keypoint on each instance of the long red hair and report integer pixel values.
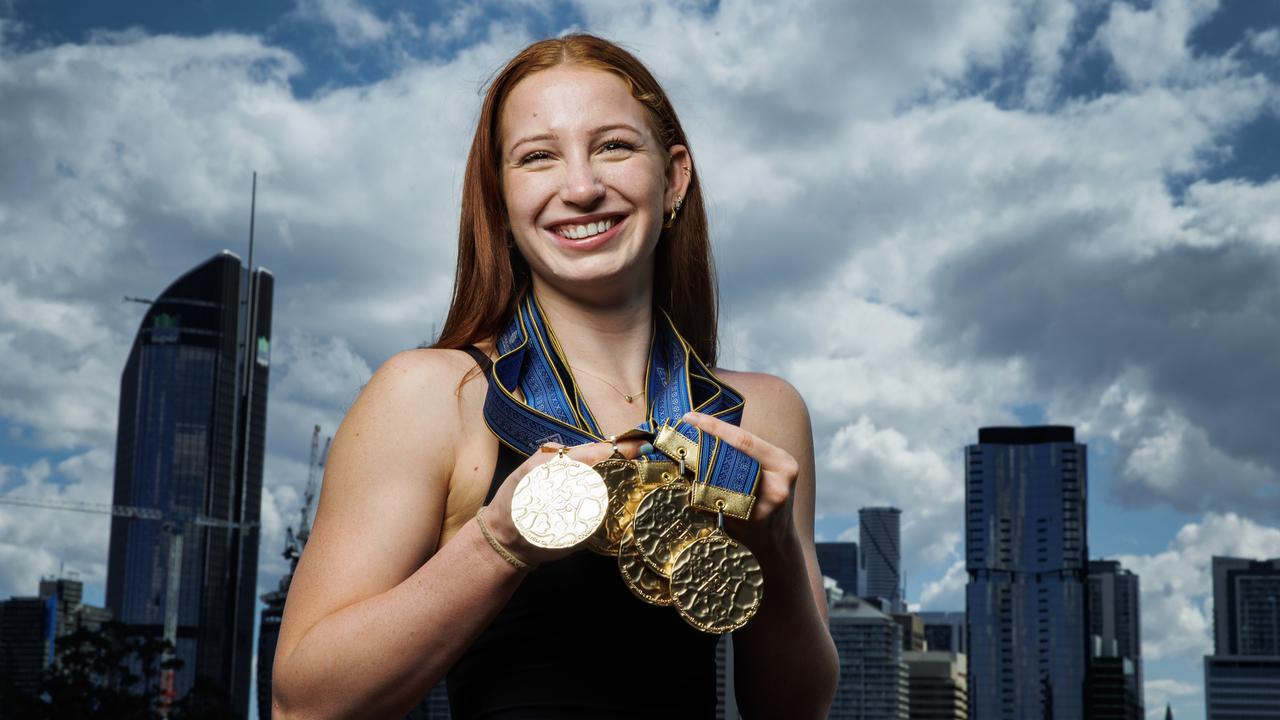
(492, 275)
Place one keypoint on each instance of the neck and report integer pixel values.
(610, 340)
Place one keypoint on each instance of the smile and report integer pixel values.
(582, 232)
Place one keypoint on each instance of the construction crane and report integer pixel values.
(172, 525)
(296, 541)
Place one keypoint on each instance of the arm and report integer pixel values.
(369, 627)
(785, 663)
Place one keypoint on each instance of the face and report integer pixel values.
(585, 181)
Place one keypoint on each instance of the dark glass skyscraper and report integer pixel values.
(192, 428)
(1115, 661)
(1027, 558)
(880, 540)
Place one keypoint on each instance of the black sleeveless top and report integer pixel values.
(573, 642)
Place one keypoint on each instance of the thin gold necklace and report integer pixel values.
(629, 397)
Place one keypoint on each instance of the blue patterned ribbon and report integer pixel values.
(554, 410)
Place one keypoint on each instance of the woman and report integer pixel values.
(580, 195)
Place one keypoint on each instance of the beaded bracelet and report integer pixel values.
(498, 547)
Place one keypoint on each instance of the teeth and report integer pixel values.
(578, 232)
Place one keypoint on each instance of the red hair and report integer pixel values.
(492, 276)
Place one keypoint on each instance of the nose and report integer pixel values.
(582, 186)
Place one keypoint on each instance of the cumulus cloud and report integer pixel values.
(353, 23)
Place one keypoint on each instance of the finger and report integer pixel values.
(770, 456)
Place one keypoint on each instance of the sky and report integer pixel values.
(928, 216)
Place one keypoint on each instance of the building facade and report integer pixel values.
(880, 540)
(1242, 677)
(1027, 559)
(873, 677)
(192, 428)
(938, 685)
(945, 630)
(840, 562)
(1114, 686)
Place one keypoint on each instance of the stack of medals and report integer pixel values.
(662, 514)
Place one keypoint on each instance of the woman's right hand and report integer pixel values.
(498, 513)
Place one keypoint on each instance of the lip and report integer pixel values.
(594, 241)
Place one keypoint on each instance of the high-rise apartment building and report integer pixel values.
(1114, 684)
(1242, 677)
(880, 541)
(873, 677)
(1027, 559)
(839, 561)
(192, 427)
(945, 631)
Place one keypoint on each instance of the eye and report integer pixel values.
(534, 156)
(616, 145)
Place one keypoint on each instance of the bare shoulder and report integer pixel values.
(772, 403)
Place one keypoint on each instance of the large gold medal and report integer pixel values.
(560, 503)
(717, 583)
(641, 579)
(665, 522)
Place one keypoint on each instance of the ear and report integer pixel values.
(679, 171)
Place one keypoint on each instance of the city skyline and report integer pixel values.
(979, 213)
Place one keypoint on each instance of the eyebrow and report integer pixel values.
(594, 131)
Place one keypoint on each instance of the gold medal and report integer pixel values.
(665, 522)
(641, 579)
(717, 583)
(560, 503)
(622, 478)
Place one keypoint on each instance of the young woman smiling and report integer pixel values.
(581, 205)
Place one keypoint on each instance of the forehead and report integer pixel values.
(567, 99)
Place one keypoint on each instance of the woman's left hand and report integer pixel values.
(772, 524)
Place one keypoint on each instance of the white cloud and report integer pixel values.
(353, 23)
(947, 592)
(1164, 690)
(1150, 45)
(1265, 42)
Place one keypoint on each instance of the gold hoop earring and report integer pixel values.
(672, 220)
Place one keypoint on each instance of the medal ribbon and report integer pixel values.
(554, 410)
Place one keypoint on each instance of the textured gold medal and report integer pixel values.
(717, 583)
(560, 503)
(664, 523)
(641, 579)
(622, 478)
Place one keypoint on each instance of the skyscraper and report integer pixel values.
(192, 426)
(1115, 655)
(879, 533)
(839, 561)
(939, 686)
(873, 677)
(1242, 677)
(1027, 559)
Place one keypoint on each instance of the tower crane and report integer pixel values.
(174, 526)
(296, 541)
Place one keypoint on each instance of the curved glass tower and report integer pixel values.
(192, 427)
(1028, 561)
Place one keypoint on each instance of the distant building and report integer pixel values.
(1242, 677)
(1241, 687)
(938, 685)
(1027, 559)
(880, 539)
(945, 631)
(190, 442)
(839, 561)
(28, 628)
(1114, 684)
(873, 678)
(912, 627)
